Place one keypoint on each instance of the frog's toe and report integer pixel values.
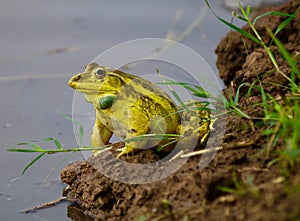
(124, 150)
(212, 122)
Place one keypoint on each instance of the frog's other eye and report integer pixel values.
(99, 73)
(90, 66)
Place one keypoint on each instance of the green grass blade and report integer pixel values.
(283, 24)
(160, 148)
(225, 189)
(35, 146)
(241, 31)
(171, 89)
(201, 92)
(264, 100)
(24, 150)
(239, 112)
(236, 98)
(236, 15)
(291, 16)
(81, 130)
(285, 54)
(141, 218)
(22, 143)
(32, 162)
(248, 11)
(55, 141)
(81, 133)
(195, 89)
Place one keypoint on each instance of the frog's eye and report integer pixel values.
(99, 73)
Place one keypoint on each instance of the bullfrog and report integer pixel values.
(130, 106)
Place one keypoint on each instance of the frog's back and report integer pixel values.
(151, 97)
(150, 100)
(138, 85)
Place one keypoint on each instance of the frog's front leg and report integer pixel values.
(138, 125)
(100, 135)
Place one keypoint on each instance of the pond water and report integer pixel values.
(42, 44)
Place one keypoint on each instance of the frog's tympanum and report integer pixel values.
(131, 106)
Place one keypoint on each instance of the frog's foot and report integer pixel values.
(212, 122)
(125, 150)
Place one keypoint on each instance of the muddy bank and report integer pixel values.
(192, 193)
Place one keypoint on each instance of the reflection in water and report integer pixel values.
(77, 214)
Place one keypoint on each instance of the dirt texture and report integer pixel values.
(262, 192)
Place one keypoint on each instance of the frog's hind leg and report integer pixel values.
(138, 125)
(135, 142)
(131, 146)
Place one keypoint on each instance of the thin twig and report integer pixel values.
(199, 152)
(237, 145)
(176, 156)
(45, 205)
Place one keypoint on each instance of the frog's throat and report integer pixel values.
(105, 97)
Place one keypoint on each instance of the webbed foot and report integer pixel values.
(125, 150)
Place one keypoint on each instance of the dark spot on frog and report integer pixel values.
(125, 113)
(131, 92)
(150, 106)
(148, 87)
(173, 106)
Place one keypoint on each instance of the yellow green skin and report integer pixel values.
(126, 105)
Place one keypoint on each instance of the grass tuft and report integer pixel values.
(282, 116)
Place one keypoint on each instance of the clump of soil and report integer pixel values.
(192, 193)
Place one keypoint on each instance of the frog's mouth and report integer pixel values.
(83, 87)
(87, 88)
(83, 84)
